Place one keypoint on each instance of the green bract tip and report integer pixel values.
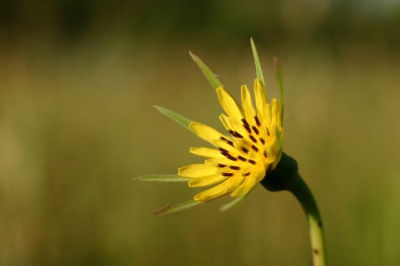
(212, 78)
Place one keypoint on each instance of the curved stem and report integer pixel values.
(303, 194)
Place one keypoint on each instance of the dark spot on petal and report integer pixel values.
(222, 138)
(268, 133)
(265, 154)
(246, 125)
(229, 142)
(253, 138)
(252, 162)
(222, 150)
(233, 167)
(245, 150)
(257, 121)
(230, 157)
(247, 174)
(227, 174)
(220, 165)
(255, 130)
(242, 158)
(225, 153)
(262, 141)
(254, 148)
(236, 135)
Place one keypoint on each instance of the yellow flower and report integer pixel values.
(249, 151)
(242, 158)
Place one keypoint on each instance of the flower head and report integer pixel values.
(241, 158)
(244, 155)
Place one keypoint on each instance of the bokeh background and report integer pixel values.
(78, 79)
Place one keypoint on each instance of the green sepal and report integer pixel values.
(181, 120)
(212, 78)
(282, 177)
(176, 207)
(162, 178)
(259, 71)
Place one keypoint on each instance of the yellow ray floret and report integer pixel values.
(245, 156)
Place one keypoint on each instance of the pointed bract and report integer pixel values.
(171, 208)
(162, 178)
(181, 120)
(212, 78)
(259, 71)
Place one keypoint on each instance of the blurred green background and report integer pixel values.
(78, 79)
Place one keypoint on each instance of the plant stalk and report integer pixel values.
(303, 194)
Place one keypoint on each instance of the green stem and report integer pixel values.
(303, 194)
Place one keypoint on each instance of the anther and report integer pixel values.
(255, 130)
(235, 134)
(222, 150)
(230, 157)
(254, 148)
(242, 158)
(252, 162)
(253, 138)
(257, 121)
(225, 153)
(227, 174)
(238, 135)
(246, 125)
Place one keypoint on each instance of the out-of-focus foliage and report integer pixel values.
(78, 80)
(273, 22)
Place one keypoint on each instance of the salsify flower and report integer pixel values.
(240, 158)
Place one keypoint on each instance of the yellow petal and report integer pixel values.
(245, 187)
(224, 188)
(261, 98)
(218, 161)
(206, 180)
(197, 170)
(206, 152)
(247, 105)
(267, 115)
(274, 113)
(205, 132)
(235, 125)
(248, 184)
(225, 121)
(222, 144)
(229, 104)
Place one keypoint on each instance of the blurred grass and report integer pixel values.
(77, 86)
